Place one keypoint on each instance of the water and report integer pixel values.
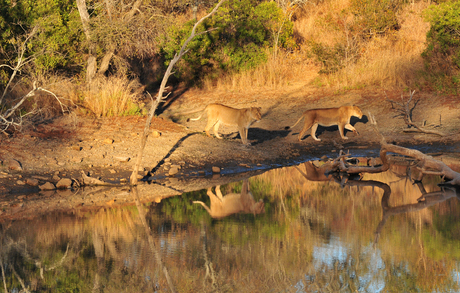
(295, 233)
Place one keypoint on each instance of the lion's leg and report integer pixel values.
(313, 132)
(216, 129)
(209, 125)
(351, 128)
(307, 124)
(219, 193)
(244, 135)
(342, 130)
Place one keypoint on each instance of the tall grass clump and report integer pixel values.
(284, 69)
(113, 96)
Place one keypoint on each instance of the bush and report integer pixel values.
(375, 17)
(442, 54)
(239, 34)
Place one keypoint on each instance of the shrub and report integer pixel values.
(354, 26)
(442, 54)
(239, 34)
(375, 17)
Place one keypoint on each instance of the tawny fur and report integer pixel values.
(329, 117)
(232, 203)
(221, 114)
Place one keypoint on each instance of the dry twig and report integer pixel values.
(405, 111)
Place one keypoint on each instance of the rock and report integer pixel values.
(77, 160)
(176, 166)
(64, 183)
(155, 134)
(13, 164)
(47, 186)
(32, 182)
(122, 159)
(76, 148)
(56, 178)
(173, 171)
(215, 169)
(108, 141)
(20, 182)
(112, 171)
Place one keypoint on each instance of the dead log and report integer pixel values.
(426, 164)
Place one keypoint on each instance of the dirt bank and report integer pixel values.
(106, 148)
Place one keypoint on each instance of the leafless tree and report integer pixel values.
(404, 110)
(7, 114)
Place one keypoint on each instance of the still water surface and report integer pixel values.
(295, 231)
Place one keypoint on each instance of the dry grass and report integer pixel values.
(392, 61)
(283, 70)
(113, 96)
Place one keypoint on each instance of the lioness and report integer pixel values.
(329, 117)
(243, 118)
(232, 203)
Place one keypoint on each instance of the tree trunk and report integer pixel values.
(91, 66)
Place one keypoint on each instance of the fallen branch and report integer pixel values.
(406, 112)
(426, 164)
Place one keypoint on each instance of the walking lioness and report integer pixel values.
(243, 118)
(329, 117)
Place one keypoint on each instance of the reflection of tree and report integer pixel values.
(151, 241)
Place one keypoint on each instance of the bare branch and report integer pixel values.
(160, 98)
(405, 112)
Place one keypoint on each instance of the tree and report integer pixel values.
(160, 97)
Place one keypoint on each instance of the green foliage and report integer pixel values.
(238, 37)
(55, 39)
(375, 17)
(442, 54)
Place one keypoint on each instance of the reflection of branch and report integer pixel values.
(426, 200)
(3, 275)
(151, 241)
(20, 280)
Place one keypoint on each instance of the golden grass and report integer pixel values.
(111, 96)
(392, 61)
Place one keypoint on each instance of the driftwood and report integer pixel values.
(405, 111)
(425, 164)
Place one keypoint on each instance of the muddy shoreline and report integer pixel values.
(105, 148)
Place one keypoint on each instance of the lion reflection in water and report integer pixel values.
(232, 203)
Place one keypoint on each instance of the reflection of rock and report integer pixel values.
(31, 182)
(232, 203)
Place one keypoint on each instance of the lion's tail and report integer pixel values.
(289, 127)
(195, 119)
(204, 205)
